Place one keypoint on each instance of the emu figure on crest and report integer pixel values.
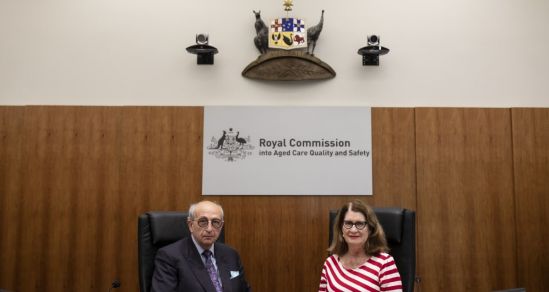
(313, 33)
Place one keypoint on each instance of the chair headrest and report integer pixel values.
(168, 226)
(391, 219)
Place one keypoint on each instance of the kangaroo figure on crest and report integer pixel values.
(261, 39)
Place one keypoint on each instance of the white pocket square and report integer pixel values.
(234, 274)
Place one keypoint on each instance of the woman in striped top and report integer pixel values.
(359, 260)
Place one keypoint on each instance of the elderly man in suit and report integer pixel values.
(198, 263)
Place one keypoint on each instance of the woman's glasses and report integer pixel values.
(359, 224)
(203, 223)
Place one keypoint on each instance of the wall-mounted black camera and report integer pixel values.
(370, 53)
(204, 52)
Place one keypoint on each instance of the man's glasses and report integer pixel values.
(203, 223)
(359, 224)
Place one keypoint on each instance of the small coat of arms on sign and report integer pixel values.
(230, 146)
(287, 33)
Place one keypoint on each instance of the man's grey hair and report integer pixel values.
(192, 209)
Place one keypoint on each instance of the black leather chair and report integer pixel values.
(400, 229)
(155, 230)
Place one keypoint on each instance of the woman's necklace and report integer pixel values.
(353, 262)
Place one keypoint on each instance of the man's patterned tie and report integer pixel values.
(212, 271)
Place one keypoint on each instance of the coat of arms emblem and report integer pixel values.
(286, 46)
(230, 146)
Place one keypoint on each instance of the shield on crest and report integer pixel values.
(287, 33)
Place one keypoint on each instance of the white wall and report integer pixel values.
(479, 53)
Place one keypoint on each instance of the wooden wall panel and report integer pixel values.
(394, 165)
(74, 179)
(465, 199)
(160, 169)
(531, 161)
(64, 172)
(11, 140)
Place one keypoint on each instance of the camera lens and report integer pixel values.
(201, 39)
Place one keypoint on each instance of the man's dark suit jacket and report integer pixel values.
(179, 268)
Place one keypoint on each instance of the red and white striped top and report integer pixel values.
(379, 273)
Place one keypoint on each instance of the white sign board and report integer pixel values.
(287, 151)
